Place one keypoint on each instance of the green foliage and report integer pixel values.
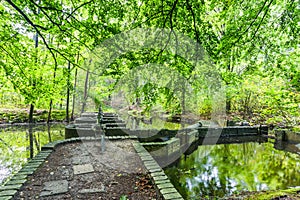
(266, 99)
(253, 44)
(16, 115)
(296, 129)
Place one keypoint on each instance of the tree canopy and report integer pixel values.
(254, 46)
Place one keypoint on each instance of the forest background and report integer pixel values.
(254, 45)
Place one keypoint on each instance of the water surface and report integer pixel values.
(225, 169)
(19, 143)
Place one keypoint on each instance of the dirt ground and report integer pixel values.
(118, 173)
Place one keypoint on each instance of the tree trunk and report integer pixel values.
(85, 91)
(228, 97)
(228, 105)
(228, 100)
(36, 44)
(60, 104)
(49, 112)
(51, 100)
(74, 96)
(183, 98)
(49, 133)
(68, 93)
(37, 145)
(31, 150)
(31, 113)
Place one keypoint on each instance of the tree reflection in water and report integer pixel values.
(20, 143)
(225, 169)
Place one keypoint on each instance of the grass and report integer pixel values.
(20, 115)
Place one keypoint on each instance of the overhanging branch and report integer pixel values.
(34, 26)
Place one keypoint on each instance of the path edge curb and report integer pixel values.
(158, 177)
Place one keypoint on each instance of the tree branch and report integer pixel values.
(88, 2)
(251, 24)
(34, 26)
(257, 28)
(49, 18)
(194, 21)
(171, 14)
(13, 58)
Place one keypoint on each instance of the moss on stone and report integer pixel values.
(293, 192)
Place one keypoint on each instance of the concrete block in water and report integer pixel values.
(116, 131)
(85, 120)
(72, 131)
(109, 125)
(109, 115)
(89, 114)
(111, 120)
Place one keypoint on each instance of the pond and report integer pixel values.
(225, 169)
(20, 143)
(154, 123)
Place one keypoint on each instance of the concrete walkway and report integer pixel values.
(79, 169)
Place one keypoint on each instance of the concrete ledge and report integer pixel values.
(163, 185)
(5, 198)
(8, 194)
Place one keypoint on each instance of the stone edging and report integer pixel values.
(16, 182)
(162, 182)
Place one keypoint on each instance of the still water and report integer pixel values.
(154, 123)
(224, 169)
(19, 143)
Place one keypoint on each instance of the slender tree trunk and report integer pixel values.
(228, 98)
(49, 133)
(85, 91)
(183, 98)
(68, 93)
(74, 96)
(36, 46)
(228, 105)
(67, 105)
(31, 113)
(228, 102)
(68, 88)
(37, 145)
(49, 112)
(30, 132)
(51, 100)
(33, 82)
(60, 104)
